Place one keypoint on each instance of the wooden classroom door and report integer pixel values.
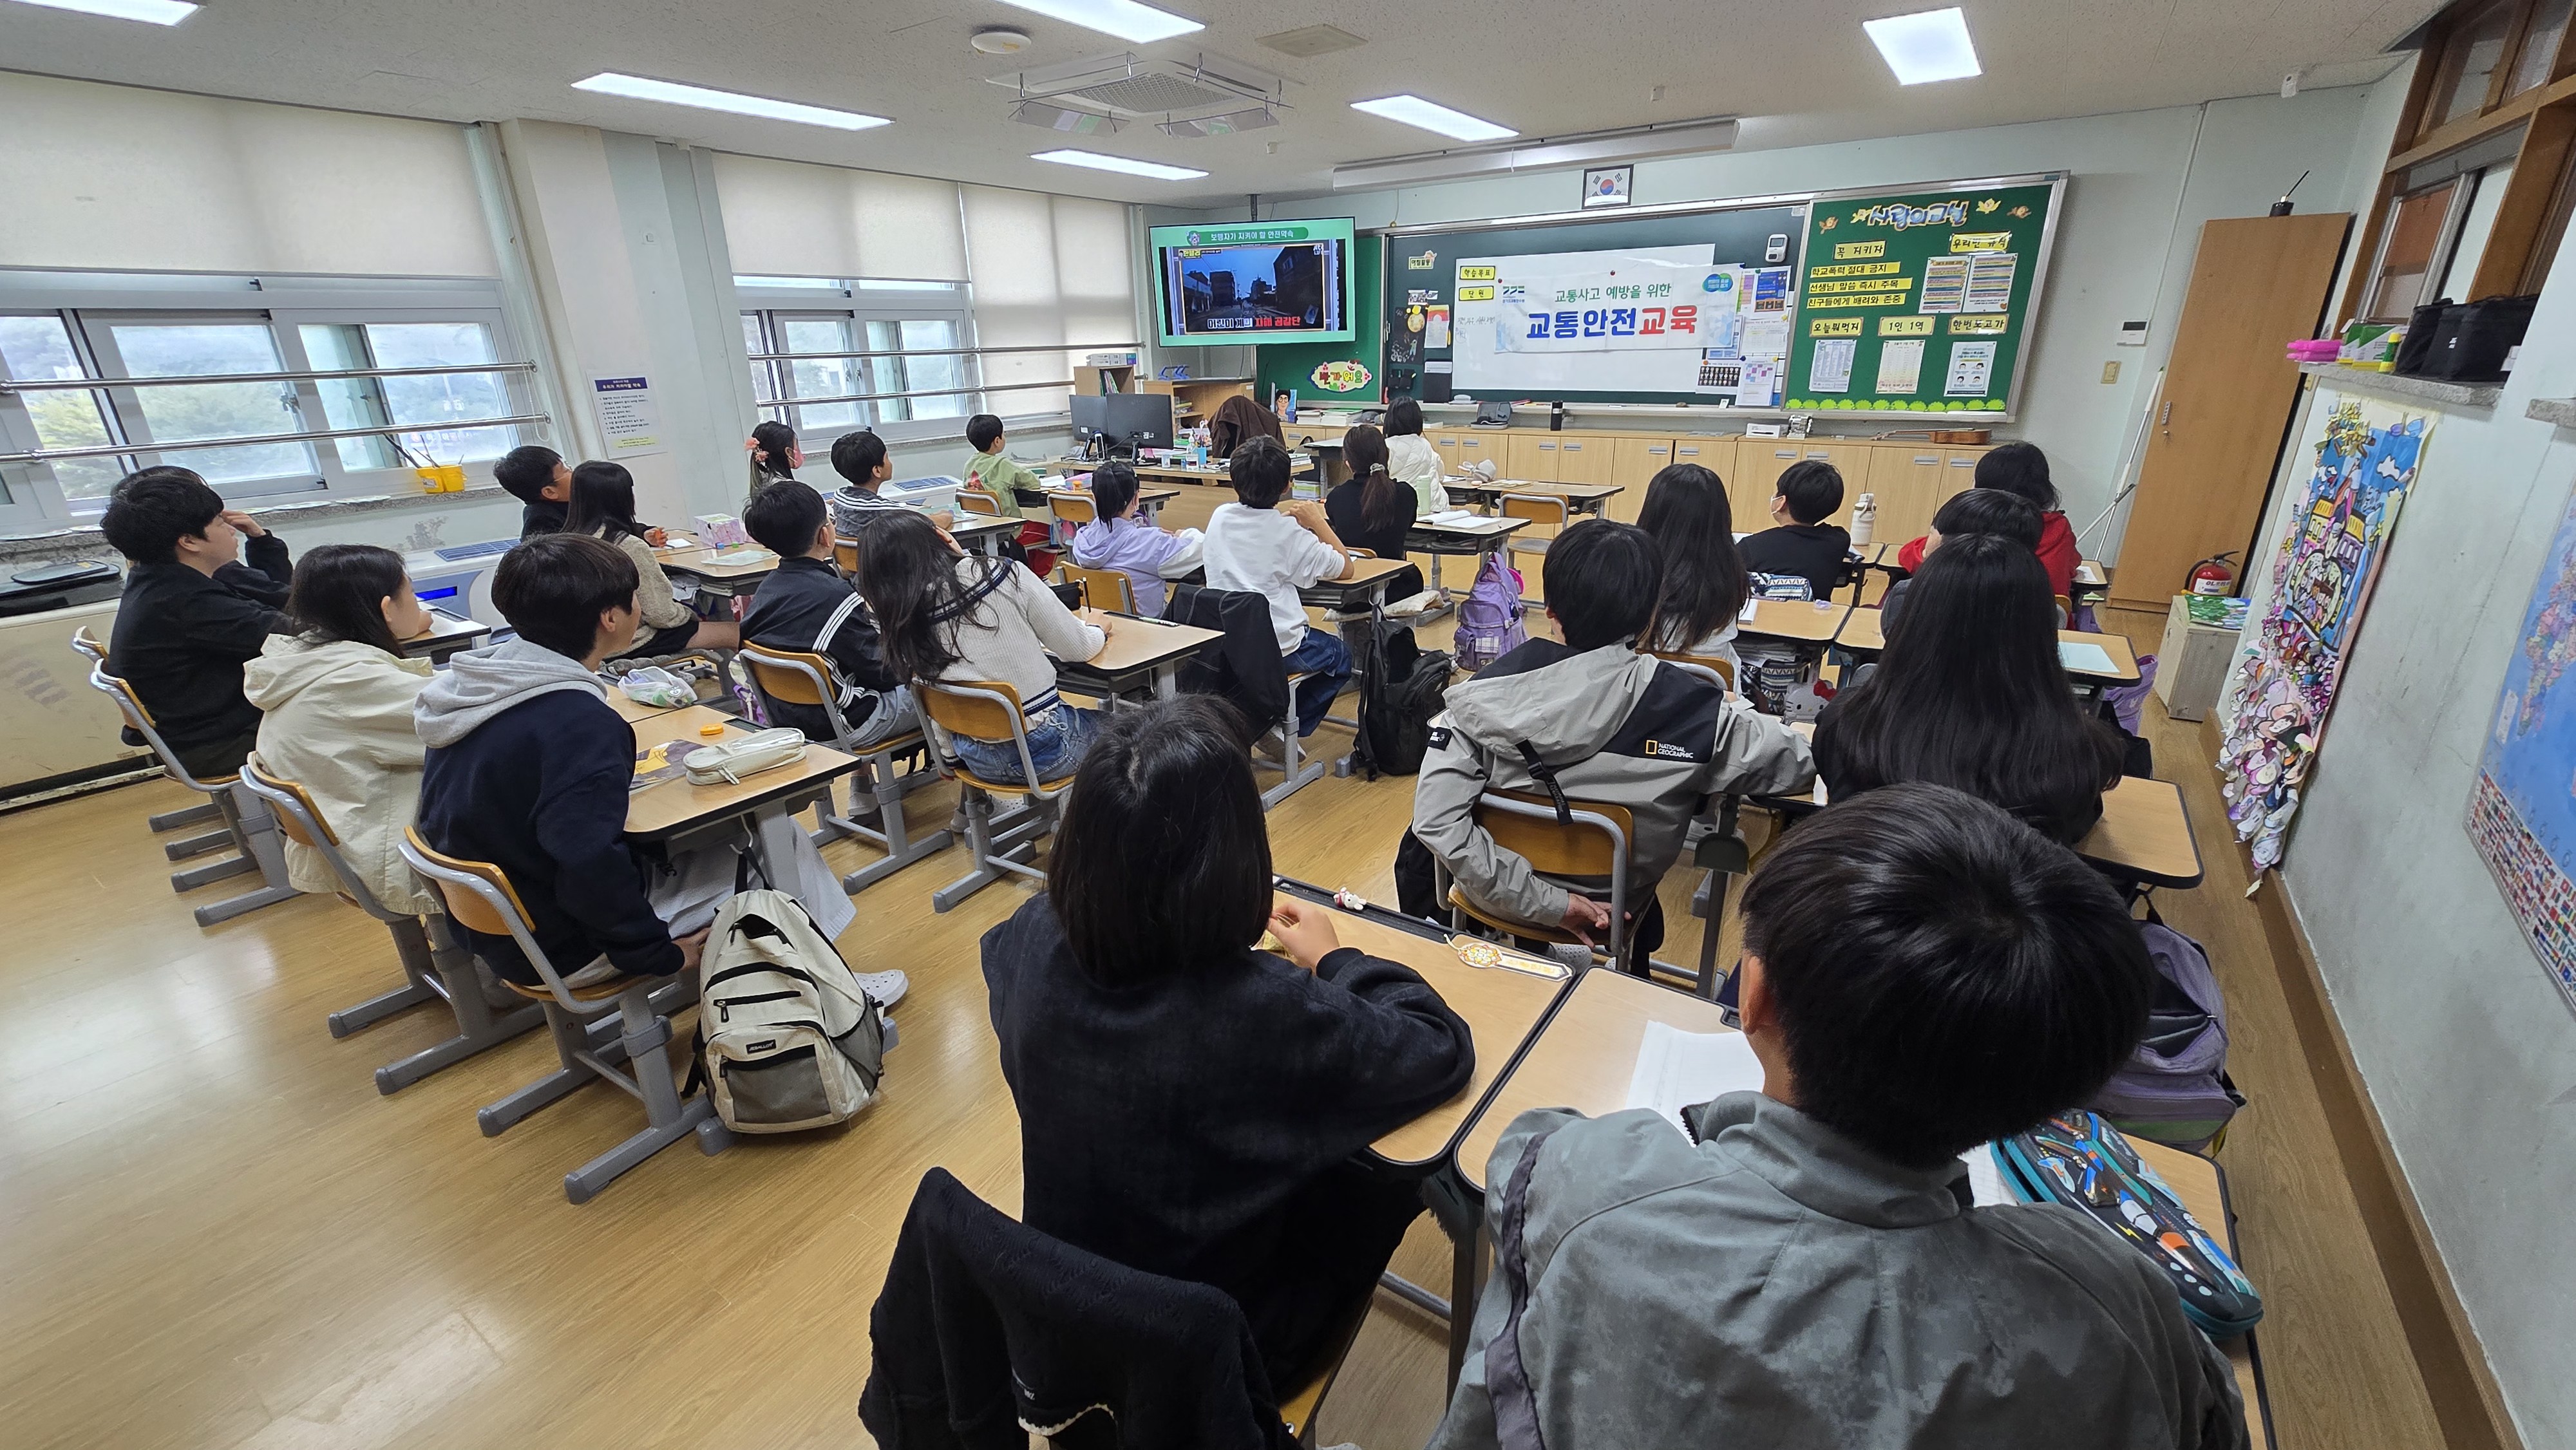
(2256, 283)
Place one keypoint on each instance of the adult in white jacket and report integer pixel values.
(337, 700)
(1410, 458)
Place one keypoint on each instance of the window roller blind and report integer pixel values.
(1048, 269)
(793, 219)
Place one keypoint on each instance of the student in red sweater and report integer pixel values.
(2020, 468)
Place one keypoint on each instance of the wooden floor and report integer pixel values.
(214, 1233)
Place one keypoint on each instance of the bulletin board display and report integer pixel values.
(1921, 301)
(1334, 373)
(1655, 308)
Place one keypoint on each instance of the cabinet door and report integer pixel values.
(1759, 462)
(1852, 460)
(1634, 462)
(1474, 446)
(1715, 454)
(1958, 474)
(1445, 443)
(1532, 458)
(1908, 480)
(1584, 459)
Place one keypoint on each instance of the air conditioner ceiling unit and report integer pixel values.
(1134, 85)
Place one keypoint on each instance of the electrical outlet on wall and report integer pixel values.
(2110, 372)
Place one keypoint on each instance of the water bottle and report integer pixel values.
(1864, 520)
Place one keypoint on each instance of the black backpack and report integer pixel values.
(1398, 698)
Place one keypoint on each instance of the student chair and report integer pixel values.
(1102, 588)
(1579, 839)
(435, 968)
(480, 897)
(87, 647)
(976, 503)
(990, 710)
(252, 832)
(1716, 667)
(802, 677)
(1071, 511)
(1241, 671)
(845, 554)
(1547, 510)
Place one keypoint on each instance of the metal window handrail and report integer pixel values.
(164, 445)
(944, 351)
(956, 392)
(33, 385)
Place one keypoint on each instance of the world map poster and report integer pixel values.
(2522, 810)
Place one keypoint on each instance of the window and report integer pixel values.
(2470, 58)
(2537, 65)
(413, 385)
(895, 356)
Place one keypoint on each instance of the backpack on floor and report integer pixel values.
(2174, 1088)
(1398, 697)
(787, 1039)
(1489, 618)
(2078, 1161)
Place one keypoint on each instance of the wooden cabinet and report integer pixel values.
(1759, 462)
(1852, 460)
(1908, 482)
(1584, 459)
(1444, 441)
(1475, 447)
(1634, 462)
(1532, 457)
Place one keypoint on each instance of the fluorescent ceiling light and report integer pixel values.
(609, 82)
(1430, 116)
(1122, 18)
(1932, 45)
(150, 12)
(1099, 162)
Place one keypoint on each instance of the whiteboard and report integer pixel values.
(1662, 319)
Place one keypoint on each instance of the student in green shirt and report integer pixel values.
(991, 472)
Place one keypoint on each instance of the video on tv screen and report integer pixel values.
(1254, 282)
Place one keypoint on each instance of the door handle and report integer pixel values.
(2164, 419)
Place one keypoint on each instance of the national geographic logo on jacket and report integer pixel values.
(1673, 750)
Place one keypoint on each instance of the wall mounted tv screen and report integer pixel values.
(1253, 282)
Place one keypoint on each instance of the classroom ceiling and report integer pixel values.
(1798, 71)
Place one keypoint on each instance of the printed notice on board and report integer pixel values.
(1832, 369)
(1972, 367)
(1900, 367)
(1945, 284)
(627, 416)
(1990, 282)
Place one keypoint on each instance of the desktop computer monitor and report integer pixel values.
(1090, 416)
(1139, 420)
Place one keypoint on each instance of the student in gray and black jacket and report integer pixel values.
(1922, 974)
(1613, 726)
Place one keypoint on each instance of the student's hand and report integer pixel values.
(1584, 916)
(657, 537)
(692, 947)
(248, 526)
(1305, 511)
(1305, 930)
(950, 540)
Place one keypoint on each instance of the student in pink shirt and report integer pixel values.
(1121, 538)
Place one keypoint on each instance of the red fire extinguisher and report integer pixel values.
(2214, 575)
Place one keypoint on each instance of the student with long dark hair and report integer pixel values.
(1970, 694)
(1704, 586)
(1237, 420)
(336, 701)
(603, 507)
(946, 615)
(1372, 509)
(537, 477)
(1120, 537)
(774, 455)
(1975, 511)
(1191, 1106)
(2022, 469)
(1412, 459)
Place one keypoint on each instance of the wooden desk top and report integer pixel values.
(747, 561)
(675, 805)
(444, 628)
(1136, 644)
(2146, 833)
(1861, 634)
(967, 528)
(1588, 1052)
(2089, 572)
(634, 712)
(1792, 619)
(1570, 492)
(1147, 495)
(1476, 528)
(1501, 1006)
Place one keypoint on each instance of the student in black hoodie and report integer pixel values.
(538, 477)
(806, 606)
(1803, 544)
(192, 614)
(1189, 1105)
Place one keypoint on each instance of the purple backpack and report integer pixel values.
(1489, 618)
(2174, 1089)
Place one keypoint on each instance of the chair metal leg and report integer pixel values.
(192, 846)
(894, 836)
(197, 815)
(996, 852)
(644, 1034)
(412, 945)
(460, 982)
(1294, 776)
(571, 1042)
(255, 836)
(1715, 916)
(196, 876)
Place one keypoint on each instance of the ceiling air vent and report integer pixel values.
(1310, 41)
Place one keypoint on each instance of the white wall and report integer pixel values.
(2142, 183)
(2468, 1049)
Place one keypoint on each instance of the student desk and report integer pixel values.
(2089, 574)
(1797, 621)
(1580, 498)
(1862, 636)
(1149, 501)
(681, 815)
(1207, 473)
(1142, 654)
(447, 634)
(984, 533)
(1479, 536)
(722, 572)
(1585, 1055)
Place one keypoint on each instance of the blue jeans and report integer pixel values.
(1326, 663)
(1056, 740)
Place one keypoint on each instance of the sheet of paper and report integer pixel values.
(1435, 327)
(1972, 366)
(1900, 366)
(1990, 282)
(1985, 1180)
(1945, 284)
(1832, 369)
(1765, 337)
(1758, 386)
(2082, 658)
(1677, 1069)
(1751, 611)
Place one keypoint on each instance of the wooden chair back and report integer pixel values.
(1103, 588)
(1582, 848)
(468, 907)
(2065, 610)
(1073, 508)
(845, 553)
(1718, 665)
(300, 823)
(976, 503)
(794, 677)
(972, 716)
(1541, 508)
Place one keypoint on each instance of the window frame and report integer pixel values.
(856, 302)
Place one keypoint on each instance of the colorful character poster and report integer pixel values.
(2522, 811)
(2320, 587)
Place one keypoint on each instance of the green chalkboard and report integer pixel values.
(1920, 301)
(1293, 365)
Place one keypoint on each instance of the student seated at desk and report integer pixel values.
(1239, 419)
(192, 614)
(528, 768)
(537, 477)
(1921, 975)
(807, 607)
(1275, 549)
(994, 474)
(1372, 509)
(1412, 459)
(1704, 587)
(1120, 537)
(336, 701)
(603, 507)
(1191, 1106)
(774, 455)
(2020, 468)
(1976, 511)
(1611, 725)
(947, 615)
(1970, 694)
(860, 458)
(1803, 543)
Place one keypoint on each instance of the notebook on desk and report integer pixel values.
(2085, 659)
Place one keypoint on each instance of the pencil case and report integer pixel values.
(729, 761)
